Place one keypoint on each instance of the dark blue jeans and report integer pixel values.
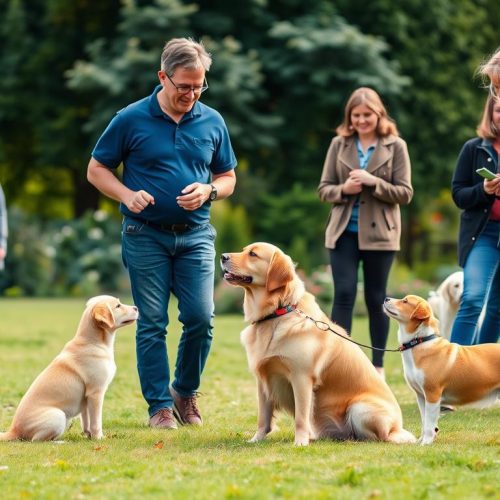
(481, 288)
(159, 263)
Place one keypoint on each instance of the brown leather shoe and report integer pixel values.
(186, 409)
(163, 419)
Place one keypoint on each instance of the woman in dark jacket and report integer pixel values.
(479, 238)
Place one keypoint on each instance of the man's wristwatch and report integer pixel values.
(213, 193)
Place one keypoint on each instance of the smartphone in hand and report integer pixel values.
(487, 174)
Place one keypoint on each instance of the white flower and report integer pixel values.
(92, 276)
(50, 252)
(96, 233)
(67, 231)
(100, 215)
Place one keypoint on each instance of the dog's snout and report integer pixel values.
(224, 257)
(387, 299)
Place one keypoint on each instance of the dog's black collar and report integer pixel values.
(279, 312)
(416, 341)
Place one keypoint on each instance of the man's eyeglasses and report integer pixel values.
(185, 89)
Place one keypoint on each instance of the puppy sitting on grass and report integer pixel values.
(75, 382)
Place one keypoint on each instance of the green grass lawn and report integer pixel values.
(215, 461)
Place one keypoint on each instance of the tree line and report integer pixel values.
(282, 72)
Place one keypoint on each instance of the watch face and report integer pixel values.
(213, 194)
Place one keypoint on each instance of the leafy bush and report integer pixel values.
(403, 281)
(80, 257)
(228, 299)
(29, 265)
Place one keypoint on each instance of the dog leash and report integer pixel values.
(321, 325)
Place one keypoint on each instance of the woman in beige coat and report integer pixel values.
(366, 176)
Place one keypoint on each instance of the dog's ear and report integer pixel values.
(280, 271)
(421, 312)
(103, 316)
(446, 292)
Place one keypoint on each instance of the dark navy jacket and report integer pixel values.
(468, 192)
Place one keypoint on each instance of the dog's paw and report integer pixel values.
(302, 440)
(258, 436)
(425, 440)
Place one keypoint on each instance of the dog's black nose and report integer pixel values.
(387, 299)
(224, 257)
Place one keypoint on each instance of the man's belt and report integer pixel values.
(169, 228)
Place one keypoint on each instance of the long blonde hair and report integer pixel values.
(364, 95)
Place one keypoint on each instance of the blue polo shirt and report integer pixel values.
(162, 157)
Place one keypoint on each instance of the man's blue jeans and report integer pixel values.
(158, 263)
(481, 287)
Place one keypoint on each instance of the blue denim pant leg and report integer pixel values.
(489, 331)
(153, 259)
(481, 286)
(193, 285)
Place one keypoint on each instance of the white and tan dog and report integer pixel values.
(445, 301)
(75, 382)
(441, 372)
(324, 381)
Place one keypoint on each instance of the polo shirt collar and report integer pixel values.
(155, 109)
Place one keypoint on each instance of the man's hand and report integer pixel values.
(194, 195)
(139, 201)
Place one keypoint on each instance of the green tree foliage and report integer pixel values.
(118, 70)
(439, 44)
(125, 70)
(282, 72)
(16, 135)
(41, 137)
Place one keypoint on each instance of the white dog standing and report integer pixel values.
(75, 382)
(446, 300)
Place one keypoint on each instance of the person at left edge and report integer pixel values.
(3, 229)
(177, 158)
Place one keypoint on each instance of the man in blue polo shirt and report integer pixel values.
(177, 159)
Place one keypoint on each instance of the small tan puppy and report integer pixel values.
(441, 372)
(76, 380)
(446, 300)
(324, 381)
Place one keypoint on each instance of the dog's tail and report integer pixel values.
(8, 436)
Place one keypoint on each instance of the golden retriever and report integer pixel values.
(76, 380)
(326, 382)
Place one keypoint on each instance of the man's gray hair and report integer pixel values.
(184, 53)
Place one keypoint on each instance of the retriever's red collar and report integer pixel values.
(278, 312)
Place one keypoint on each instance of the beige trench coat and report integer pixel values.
(379, 223)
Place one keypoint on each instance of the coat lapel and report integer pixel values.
(348, 154)
(381, 155)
